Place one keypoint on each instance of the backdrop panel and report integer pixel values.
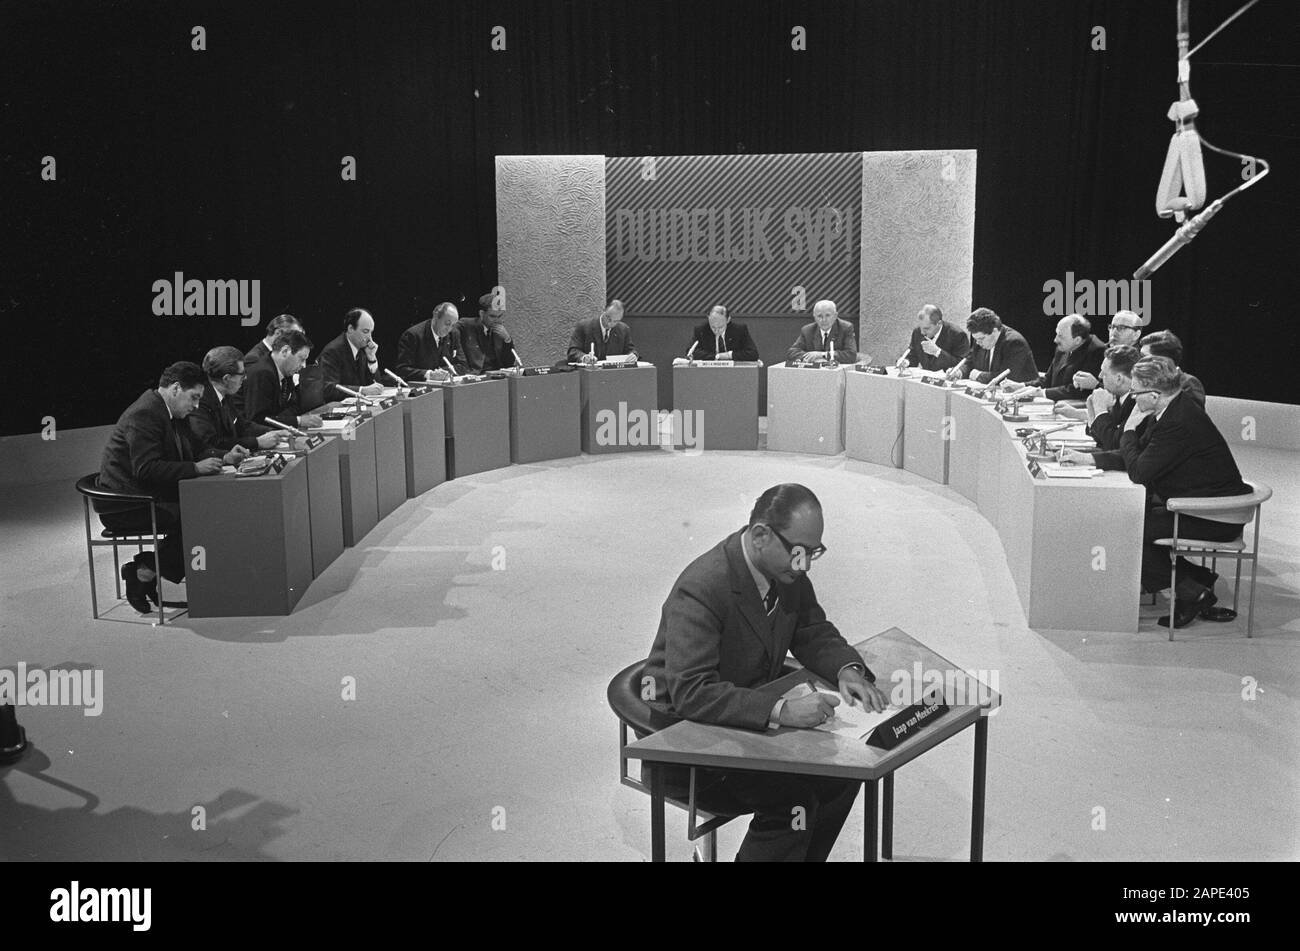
(550, 247)
(918, 243)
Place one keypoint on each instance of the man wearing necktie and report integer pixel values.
(598, 338)
(351, 359)
(424, 352)
(149, 452)
(721, 338)
(215, 423)
(724, 632)
(827, 338)
(483, 343)
(269, 390)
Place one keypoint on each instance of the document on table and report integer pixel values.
(334, 425)
(1054, 470)
(851, 722)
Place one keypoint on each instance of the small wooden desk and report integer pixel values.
(815, 753)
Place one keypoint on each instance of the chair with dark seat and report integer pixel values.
(88, 487)
(1233, 510)
(707, 810)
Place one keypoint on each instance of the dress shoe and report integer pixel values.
(1219, 615)
(135, 589)
(1185, 612)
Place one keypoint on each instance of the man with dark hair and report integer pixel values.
(351, 359)
(425, 351)
(269, 390)
(603, 336)
(262, 350)
(483, 342)
(1077, 351)
(997, 348)
(723, 635)
(215, 422)
(1107, 410)
(1165, 343)
(1180, 455)
(936, 344)
(149, 452)
(720, 338)
(827, 338)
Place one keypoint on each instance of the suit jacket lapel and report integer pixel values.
(742, 586)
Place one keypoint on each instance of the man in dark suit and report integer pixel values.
(1124, 331)
(149, 452)
(483, 343)
(1165, 343)
(1182, 455)
(262, 349)
(997, 348)
(936, 344)
(723, 635)
(215, 422)
(721, 338)
(827, 338)
(1077, 351)
(425, 352)
(351, 359)
(598, 338)
(269, 390)
(1107, 410)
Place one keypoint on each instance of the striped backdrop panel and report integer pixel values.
(684, 232)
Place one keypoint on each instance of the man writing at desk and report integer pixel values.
(936, 344)
(721, 338)
(997, 348)
(602, 337)
(723, 634)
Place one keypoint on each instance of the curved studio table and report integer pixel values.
(1073, 546)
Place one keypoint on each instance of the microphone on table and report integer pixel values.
(293, 430)
(360, 397)
(903, 359)
(401, 384)
(691, 352)
(518, 362)
(450, 367)
(992, 384)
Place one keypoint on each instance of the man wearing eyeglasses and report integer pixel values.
(1125, 330)
(215, 422)
(723, 634)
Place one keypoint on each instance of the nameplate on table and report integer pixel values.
(866, 368)
(314, 441)
(713, 363)
(908, 722)
(536, 371)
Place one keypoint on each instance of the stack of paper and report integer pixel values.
(851, 722)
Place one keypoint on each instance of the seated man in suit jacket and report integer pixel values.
(262, 349)
(269, 390)
(597, 338)
(827, 337)
(936, 344)
(723, 634)
(1108, 409)
(149, 452)
(1182, 455)
(351, 359)
(483, 343)
(1165, 343)
(1077, 351)
(997, 348)
(215, 422)
(721, 338)
(425, 352)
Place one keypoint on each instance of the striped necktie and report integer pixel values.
(769, 600)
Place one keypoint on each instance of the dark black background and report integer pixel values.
(225, 163)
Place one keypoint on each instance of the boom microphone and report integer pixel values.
(1182, 236)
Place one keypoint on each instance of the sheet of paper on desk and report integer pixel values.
(1055, 470)
(334, 425)
(851, 722)
(388, 393)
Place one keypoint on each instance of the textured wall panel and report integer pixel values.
(918, 243)
(550, 247)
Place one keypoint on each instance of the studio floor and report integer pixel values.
(482, 622)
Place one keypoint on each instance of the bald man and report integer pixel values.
(352, 358)
(827, 336)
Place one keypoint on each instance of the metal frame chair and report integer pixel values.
(625, 700)
(89, 489)
(1232, 510)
